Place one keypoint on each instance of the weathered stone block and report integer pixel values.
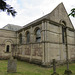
(12, 65)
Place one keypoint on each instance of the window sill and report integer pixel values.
(7, 52)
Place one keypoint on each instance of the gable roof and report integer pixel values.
(12, 27)
(58, 14)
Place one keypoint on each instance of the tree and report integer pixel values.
(6, 7)
(72, 12)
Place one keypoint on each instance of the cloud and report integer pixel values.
(29, 10)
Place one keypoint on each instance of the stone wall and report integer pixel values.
(51, 45)
(31, 51)
(7, 38)
(54, 46)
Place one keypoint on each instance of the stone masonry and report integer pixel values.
(41, 40)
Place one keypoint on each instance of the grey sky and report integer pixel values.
(29, 10)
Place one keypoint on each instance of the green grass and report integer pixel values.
(24, 68)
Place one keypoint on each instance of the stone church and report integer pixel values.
(49, 37)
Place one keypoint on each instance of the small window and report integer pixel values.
(20, 38)
(7, 48)
(38, 35)
(28, 37)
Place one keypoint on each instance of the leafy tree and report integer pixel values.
(72, 12)
(6, 7)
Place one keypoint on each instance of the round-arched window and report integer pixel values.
(20, 38)
(7, 48)
(38, 35)
(27, 37)
(63, 22)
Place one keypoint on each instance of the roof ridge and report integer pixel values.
(12, 27)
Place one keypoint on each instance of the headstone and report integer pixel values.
(54, 65)
(67, 72)
(54, 68)
(12, 65)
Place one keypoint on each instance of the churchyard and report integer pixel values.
(24, 68)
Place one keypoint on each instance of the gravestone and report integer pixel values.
(12, 65)
(68, 72)
(54, 68)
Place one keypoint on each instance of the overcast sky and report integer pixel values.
(29, 10)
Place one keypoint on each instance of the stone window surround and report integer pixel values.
(37, 33)
(25, 35)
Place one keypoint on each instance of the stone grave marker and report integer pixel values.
(54, 68)
(12, 65)
(67, 71)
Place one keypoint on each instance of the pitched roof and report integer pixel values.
(12, 27)
(58, 14)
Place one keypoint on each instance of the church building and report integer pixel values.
(49, 37)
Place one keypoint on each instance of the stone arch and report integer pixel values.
(62, 22)
(8, 40)
(27, 32)
(8, 43)
(36, 30)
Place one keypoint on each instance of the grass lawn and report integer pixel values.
(24, 68)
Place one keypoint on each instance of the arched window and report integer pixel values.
(20, 38)
(64, 36)
(27, 37)
(38, 35)
(62, 22)
(7, 48)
